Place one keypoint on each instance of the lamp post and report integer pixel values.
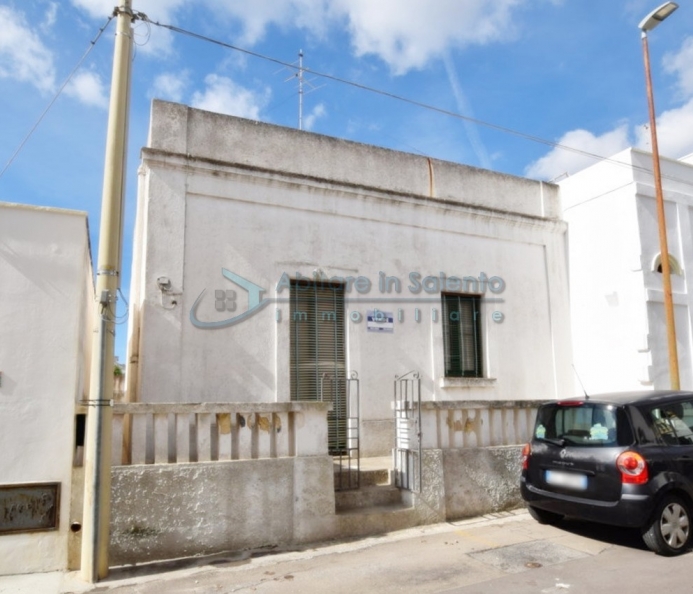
(647, 24)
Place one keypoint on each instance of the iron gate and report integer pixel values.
(343, 420)
(407, 452)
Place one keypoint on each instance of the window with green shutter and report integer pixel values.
(462, 335)
(318, 359)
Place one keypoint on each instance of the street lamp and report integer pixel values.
(647, 24)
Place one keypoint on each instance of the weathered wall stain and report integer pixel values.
(469, 425)
(263, 423)
(224, 423)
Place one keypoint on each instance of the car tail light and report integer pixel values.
(570, 403)
(526, 453)
(633, 468)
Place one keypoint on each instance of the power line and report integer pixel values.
(55, 97)
(403, 99)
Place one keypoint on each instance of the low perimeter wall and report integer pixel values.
(169, 511)
(214, 478)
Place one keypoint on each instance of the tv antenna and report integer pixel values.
(302, 83)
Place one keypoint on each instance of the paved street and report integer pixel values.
(500, 553)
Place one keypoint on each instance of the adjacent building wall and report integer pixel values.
(616, 293)
(46, 297)
(218, 192)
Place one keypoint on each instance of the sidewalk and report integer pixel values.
(507, 550)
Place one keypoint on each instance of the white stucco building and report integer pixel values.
(240, 224)
(615, 287)
(46, 297)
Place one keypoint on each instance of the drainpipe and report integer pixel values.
(97, 464)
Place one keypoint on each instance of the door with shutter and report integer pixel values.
(318, 359)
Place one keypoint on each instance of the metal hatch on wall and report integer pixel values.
(407, 451)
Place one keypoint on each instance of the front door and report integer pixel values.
(318, 358)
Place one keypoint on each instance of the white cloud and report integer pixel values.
(256, 16)
(222, 95)
(673, 128)
(559, 161)
(681, 64)
(674, 136)
(319, 111)
(170, 86)
(405, 35)
(23, 56)
(88, 89)
(409, 34)
(50, 17)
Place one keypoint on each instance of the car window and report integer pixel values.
(674, 423)
(584, 424)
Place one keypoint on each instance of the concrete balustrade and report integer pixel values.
(166, 433)
(475, 424)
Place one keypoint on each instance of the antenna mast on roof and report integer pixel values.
(300, 89)
(301, 85)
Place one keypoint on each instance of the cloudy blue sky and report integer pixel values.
(554, 71)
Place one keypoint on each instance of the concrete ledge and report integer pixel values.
(219, 407)
(485, 404)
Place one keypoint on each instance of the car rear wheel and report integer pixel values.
(544, 517)
(670, 530)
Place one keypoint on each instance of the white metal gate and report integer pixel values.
(407, 452)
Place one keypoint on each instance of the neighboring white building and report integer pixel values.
(232, 212)
(46, 297)
(619, 332)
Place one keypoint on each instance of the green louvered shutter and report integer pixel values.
(318, 352)
(462, 335)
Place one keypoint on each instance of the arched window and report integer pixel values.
(674, 266)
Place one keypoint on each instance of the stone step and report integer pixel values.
(374, 496)
(371, 471)
(349, 477)
(377, 520)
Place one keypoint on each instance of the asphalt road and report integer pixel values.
(500, 553)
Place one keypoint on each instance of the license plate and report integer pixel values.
(567, 480)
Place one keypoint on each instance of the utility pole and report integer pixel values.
(97, 464)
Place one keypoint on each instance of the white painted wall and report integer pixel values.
(616, 297)
(46, 298)
(220, 192)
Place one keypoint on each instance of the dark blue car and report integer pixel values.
(621, 459)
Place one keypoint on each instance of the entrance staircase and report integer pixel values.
(376, 506)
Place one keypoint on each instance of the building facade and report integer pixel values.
(46, 301)
(273, 265)
(619, 330)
